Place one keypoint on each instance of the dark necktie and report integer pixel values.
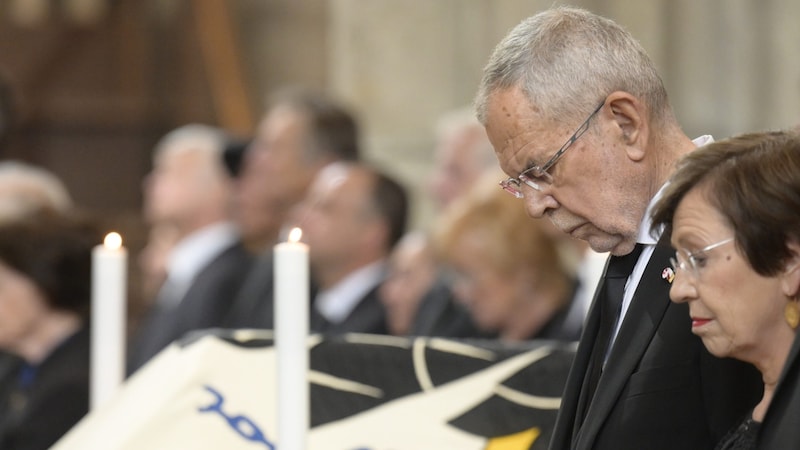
(617, 272)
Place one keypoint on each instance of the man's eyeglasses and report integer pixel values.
(695, 262)
(537, 176)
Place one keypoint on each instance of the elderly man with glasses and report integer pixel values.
(640, 379)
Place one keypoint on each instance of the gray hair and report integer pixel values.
(26, 189)
(194, 137)
(566, 60)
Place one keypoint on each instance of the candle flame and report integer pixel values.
(113, 241)
(295, 235)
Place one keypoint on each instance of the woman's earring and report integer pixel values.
(792, 313)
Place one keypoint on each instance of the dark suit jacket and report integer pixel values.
(34, 415)
(254, 304)
(439, 314)
(660, 389)
(781, 427)
(369, 316)
(205, 305)
(559, 328)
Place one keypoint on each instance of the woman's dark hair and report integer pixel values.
(54, 252)
(753, 180)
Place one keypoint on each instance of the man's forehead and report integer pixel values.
(510, 113)
(515, 140)
(511, 101)
(281, 120)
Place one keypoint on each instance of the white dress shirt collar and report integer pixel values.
(645, 236)
(336, 303)
(650, 240)
(194, 252)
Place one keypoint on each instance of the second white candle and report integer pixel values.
(291, 330)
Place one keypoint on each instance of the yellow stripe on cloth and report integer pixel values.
(517, 441)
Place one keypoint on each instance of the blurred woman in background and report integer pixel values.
(506, 268)
(45, 288)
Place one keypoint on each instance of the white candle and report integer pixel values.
(291, 331)
(109, 281)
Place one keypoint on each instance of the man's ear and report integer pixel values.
(791, 273)
(630, 118)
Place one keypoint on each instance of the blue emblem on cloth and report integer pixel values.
(243, 425)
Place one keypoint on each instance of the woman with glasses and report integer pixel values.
(733, 213)
(506, 268)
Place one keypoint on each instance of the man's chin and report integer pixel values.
(603, 244)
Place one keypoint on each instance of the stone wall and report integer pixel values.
(729, 65)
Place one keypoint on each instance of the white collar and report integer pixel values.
(194, 252)
(336, 303)
(645, 236)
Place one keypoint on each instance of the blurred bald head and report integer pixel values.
(353, 217)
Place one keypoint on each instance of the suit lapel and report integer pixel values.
(583, 358)
(367, 317)
(644, 315)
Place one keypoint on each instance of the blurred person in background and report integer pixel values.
(27, 190)
(411, 273)
(45, 283)
(162, 236)
(419, 301)
(301, 132)
(352, 218)
(190, 191)
(506, 268)
(462, 154)
(153, 260)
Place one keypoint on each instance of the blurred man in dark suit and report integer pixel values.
(301, 133)
(190, 191)
(352, 218)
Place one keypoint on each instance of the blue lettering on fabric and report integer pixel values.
(243, 425)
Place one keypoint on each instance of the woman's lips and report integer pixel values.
(699, 322)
